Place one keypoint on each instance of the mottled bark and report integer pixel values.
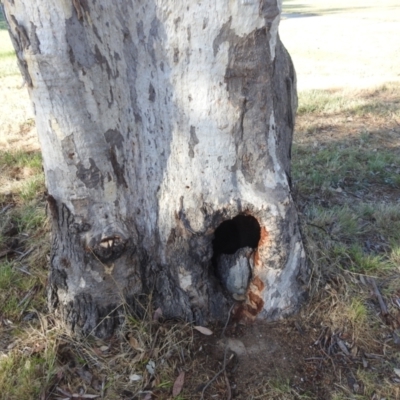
(159, 121)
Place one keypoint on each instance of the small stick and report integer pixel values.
(222, 370)
(227, 320)
(374, 356)
(228, 387)
(6, 208)
(225, 363)
(379, 297)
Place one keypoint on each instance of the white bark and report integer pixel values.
(159, 120)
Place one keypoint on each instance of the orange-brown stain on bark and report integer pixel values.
(258, 283)
(256, 302)
(264, 236)
(248, 311)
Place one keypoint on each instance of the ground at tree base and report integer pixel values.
(341, 345)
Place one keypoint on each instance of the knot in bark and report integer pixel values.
(109, 248)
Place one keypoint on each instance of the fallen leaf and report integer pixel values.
(148, 396)
(151, 367)
(64, 392)
(134, 343)
(157, 314)
(178, 384)
(135, 377)
(104, 348)
(203, 330)
(343, 347)
(397, 372)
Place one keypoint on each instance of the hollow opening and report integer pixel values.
(233, 234)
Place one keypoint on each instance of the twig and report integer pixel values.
(225, 363)
(352, 194)
(222, 370)
(379, 297)
(27, 296)
(23, 255)
(228, 387)
(7, 207)
(319, 227)
(24, 271)
(227, 320)
(374, 356)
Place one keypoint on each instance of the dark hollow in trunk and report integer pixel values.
(233, 234)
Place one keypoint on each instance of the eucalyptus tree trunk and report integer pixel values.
(166, 129)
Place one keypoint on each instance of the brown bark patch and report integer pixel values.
(256, 301)
(247, 312)
(258, 283)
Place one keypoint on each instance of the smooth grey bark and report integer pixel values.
(159, 121)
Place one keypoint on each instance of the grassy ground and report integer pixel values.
(344, 344)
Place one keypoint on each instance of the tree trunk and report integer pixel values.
(166, 130)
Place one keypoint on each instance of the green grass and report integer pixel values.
(30, 218)
(26, 376)
(21, 159)
(14, 286)
(22, 175)
(30, 189)
(334, 166)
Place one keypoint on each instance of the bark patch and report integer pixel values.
(114, 138)
(248, 80)
(226, 34)
(152, 93)
(118, 169)
(269, 9)
(34, 40)
(79, 48)
(193, 141)
(21, 42)
(101, 60)
(91, 176)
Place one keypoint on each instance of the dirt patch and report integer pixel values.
(285, 360)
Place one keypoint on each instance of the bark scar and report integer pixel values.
(21, 42)
(78, 8)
